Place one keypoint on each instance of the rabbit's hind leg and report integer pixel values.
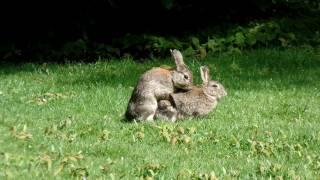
(166, 111)
(147, 111)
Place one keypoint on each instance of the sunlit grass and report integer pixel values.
(61, 121)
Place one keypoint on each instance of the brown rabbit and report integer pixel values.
(156, 84)
(166, 111)
(196, 102)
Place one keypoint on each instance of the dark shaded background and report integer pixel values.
(29, 24)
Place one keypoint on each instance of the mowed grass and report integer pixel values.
(66, 121)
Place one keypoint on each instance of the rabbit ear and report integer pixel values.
(178, 58)
(204, 71)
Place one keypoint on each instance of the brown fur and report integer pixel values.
(196, 102)
(156, 84)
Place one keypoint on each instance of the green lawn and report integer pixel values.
(66, 121)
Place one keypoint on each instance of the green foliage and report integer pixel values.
(312, 5)
(263, 5)
(168, 4)
(255, 35)
(282, 33)
(174, 24)
(260, 34)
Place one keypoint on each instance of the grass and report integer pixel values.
(66, 121)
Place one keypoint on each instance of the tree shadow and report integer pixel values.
(267, 69)
(254, 70)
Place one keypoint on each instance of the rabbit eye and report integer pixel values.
(186, 77)
(214, 85)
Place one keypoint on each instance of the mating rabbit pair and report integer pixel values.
(157, 84)
(169, 93)
(198, 101)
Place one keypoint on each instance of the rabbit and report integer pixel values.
(156, 84)
(166, 111)
(198, 101)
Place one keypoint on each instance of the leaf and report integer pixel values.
(59, 170)
(104, 168)
(203, 53)
(168, 4)
(212, 44)
(47, 160)
(83, 172)
(65, 123)
(291, 36)
(186, 139)
(234, 50)
(41, 101)
(239, 39)
(180, 130)
(72, 158)
(189, 52)
(192, 130)
(234, 141)
(195, 42)
(23, 135)
(173, 140)
(139, 135)
(284, 42)
(251, 39)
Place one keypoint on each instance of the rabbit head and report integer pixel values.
(181, 77)
(211, 88)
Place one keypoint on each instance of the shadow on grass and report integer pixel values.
(259, 69)
(252, 70)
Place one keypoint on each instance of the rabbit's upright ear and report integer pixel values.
(204, 71)
(178, 58)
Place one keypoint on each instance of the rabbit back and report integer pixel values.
(193, 103)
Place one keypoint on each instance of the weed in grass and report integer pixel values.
(66, 121)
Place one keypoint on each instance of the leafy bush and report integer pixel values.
(276, 23)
